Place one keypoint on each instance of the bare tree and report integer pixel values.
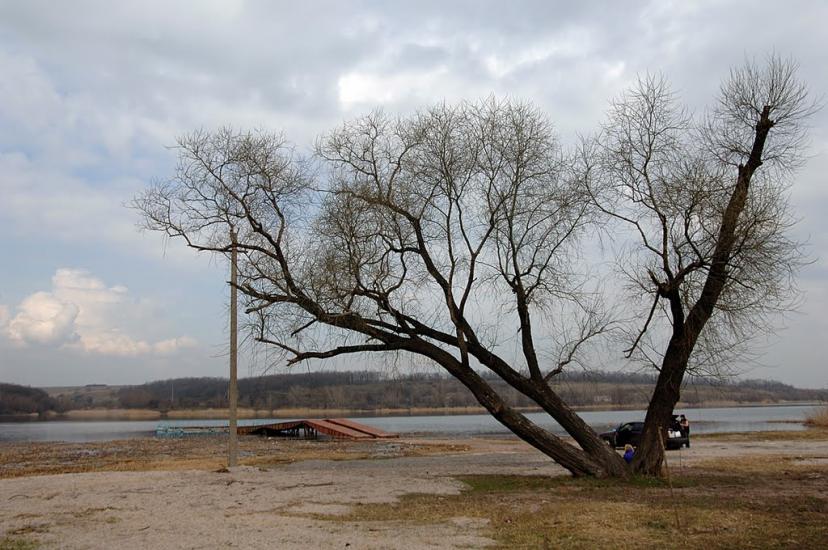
(447, 233)
(407, 235)
(707, 255)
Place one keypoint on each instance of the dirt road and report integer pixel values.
(289, 504)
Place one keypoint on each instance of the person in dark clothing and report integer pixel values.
(685, 428)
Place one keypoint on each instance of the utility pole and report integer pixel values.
(233, 394)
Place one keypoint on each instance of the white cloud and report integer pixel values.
(43, 318)
(81, 312)
(4, 316)
(171, 345)
(572, 43)
(370, 88)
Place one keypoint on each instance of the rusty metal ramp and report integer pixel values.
(337, 428)
(373, 432)
(324, 426)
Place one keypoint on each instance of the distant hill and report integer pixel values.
(90, 396)
(16, 400)
(370, 390)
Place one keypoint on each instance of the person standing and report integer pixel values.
(685, 428)
(629, 452)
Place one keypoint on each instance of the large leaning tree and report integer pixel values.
(453, 235)
(706, 253)
(438, 235)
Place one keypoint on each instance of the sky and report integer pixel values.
(93, 94)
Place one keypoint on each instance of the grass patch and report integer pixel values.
(207, 453)
(813, 434)
(16, 543)
(709, 507)
(501, 484)
(819, 419)
(776, 465)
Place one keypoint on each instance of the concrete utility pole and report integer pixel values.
(233, 394)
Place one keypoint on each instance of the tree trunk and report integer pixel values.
(650, 454)
(551, 403)
(601, 462)
(649, 457)
(582, 433)
(578, 462)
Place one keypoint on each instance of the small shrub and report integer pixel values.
(818, 419)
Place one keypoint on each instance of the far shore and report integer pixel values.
(290, 413)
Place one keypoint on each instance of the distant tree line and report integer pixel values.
(369, 390)
(16, 399)
(376, 390)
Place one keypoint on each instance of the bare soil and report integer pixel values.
(745, 491)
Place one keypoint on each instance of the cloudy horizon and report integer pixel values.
(94, 94)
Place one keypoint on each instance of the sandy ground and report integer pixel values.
(280, 505)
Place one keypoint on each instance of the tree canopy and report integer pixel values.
(444, 233)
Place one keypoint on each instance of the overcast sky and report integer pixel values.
(93, 93)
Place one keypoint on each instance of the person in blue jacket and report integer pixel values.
(629, 452)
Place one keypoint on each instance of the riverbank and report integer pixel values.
(742, 490)
(251, 414)
(243, 413)
(713, 420)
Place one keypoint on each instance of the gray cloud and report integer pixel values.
(93, 91)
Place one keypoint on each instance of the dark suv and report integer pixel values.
(630, 433)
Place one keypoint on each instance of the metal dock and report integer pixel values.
(336, 428)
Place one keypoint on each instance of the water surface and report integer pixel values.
(715, 420)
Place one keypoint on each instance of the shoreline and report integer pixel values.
(115, 415)
(80, 415)
(141, 454)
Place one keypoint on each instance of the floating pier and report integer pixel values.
(336, 428)
(172, 432)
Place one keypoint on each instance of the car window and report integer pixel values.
(631, 427)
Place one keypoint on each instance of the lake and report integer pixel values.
(714, 420)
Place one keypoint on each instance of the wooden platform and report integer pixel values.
(337, 428)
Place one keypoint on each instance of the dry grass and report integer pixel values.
(812, 434)
(13, 543)
(215, 414)
(819, 419)
(720, 505)
(777, 500)
(541, 512)
(246, 413)
(407, 411)
(781, 466)
(108, 414)
(195, 453)
(152, 414)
